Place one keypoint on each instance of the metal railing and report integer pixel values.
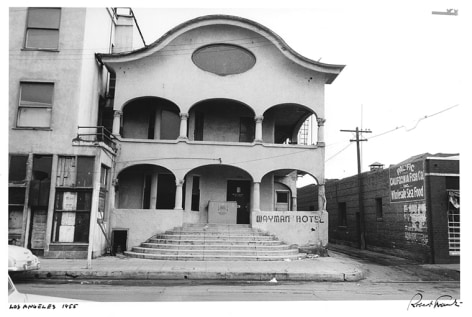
(96, 134)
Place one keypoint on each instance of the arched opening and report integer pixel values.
(221, 120)
(290, 124)
(281, 190)
(151, 118)
(226, 188)
(146, 186)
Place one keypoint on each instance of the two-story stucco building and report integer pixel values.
(204, 127)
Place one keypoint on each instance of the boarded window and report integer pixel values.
(75, 171)
(35, 106)
(42, 31)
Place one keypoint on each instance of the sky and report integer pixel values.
(404, 78)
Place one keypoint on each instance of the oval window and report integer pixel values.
(223, 59)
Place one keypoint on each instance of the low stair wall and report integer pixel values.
(304, 228)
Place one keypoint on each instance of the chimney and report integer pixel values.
(124, 30)
(376, 166)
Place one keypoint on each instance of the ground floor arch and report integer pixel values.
(146, 186)
(219, 193)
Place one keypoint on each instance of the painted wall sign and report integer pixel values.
(415, 222)
(290, 219)
(407, 182)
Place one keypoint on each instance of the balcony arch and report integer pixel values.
(221, 120)
(290, 123)
(146, 186)
(151, 118)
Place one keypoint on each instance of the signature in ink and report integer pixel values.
(442, 301)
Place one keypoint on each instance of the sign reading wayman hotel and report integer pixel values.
(407, 182)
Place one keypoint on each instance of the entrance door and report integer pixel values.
(239, 191)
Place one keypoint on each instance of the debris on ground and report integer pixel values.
(273, 280)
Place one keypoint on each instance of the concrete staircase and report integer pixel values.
(215, 242)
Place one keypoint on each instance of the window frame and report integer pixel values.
(26, 105)
(342, 214)
(27, 28)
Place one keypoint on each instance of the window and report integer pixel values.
(342, 215)
(223, 59)
(282, 197)
(378, 209)
(73, 203)
(454, 227)
(42, 30)
(16, 197)
(17, 171)
(35, 108)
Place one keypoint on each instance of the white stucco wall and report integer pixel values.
(142, 224)
(171, 71)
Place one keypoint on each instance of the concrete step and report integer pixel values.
(220, 252)
(214, 258)
(215, 231)
(245, 246)
(219, 236)
(231, 241)
(215, 225)
(215, 242)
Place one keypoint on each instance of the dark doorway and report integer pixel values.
(165, 191)
(239, 191)
(119, 238)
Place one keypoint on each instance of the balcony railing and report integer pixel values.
(96, 134)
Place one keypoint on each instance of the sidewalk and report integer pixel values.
(333, 268)
(390, 260)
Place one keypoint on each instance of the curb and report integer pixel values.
(233, 276)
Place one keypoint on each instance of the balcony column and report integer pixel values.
(117, 122)
(258, 136)
(320, 141)
(178, 194)
(183, 126)
(256, 193)
(321, 197)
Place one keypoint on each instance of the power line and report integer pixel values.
(417, 122)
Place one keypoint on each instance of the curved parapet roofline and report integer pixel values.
(330, 70)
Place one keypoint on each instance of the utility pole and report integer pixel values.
(362, 244)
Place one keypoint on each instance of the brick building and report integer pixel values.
(410, 209)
